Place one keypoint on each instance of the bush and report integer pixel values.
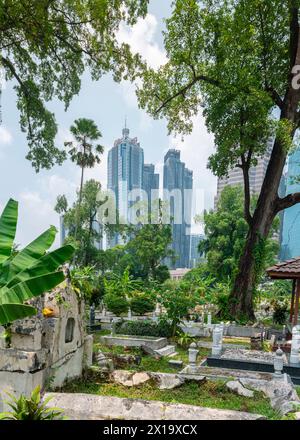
(116, 304)
(142, 304)
(280, 311)
(145, 328)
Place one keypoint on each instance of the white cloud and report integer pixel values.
(5, 136)
(141, 38)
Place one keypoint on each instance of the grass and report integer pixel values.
(209, 394)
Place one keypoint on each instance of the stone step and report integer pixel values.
(166, 351)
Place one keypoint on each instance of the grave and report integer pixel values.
(46, 349)
(253, 360)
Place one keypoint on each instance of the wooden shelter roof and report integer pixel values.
(289, 269)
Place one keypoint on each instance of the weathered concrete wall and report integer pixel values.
(92, 407)
(134, 341)
(46, 350)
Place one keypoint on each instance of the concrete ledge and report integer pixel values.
(93, 407)
(134, 341)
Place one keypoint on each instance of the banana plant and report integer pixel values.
(29, 272)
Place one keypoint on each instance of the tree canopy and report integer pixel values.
(45, 47)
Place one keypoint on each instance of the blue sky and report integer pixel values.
(106, 103)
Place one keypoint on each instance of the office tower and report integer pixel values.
(290, 245)
(150, 184)
(195, 256)
(177, 185)
(127, 177)
(256, 175)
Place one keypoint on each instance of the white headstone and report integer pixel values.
(209, 319)
(193, 353)
(278, 364)
(217, 340)
(295, 348)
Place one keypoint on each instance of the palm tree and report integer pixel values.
(83, 152)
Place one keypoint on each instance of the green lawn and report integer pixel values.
(209, 394)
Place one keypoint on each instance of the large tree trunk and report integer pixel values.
(241, 297)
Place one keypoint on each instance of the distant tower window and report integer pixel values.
(69, 330)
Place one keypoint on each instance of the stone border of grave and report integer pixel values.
(93, 407)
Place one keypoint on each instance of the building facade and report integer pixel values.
(195, 257)
(178, 185)
(129, 178)
(290, 233)
(256, 175)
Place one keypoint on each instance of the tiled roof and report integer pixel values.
(287, 269)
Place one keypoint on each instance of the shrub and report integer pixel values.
(116, 304)
(280, 311)
(32, 408)
(142, 304)
(145, 328)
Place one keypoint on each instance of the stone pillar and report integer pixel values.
(209, 319)
(278, 364)
(294, 357)
(88, 351)
(113, 326)
(92, 315)
(217, 341)
(129, 314)
(103, 311)
(157, 309)
(193, 353)
(2, 337)
(222, 328)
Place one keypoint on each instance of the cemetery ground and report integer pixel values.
(208, 393)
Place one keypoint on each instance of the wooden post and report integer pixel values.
(296, 311)
(293, 301)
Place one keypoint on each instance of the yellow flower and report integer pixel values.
(48, 313)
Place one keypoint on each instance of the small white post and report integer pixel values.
(278, 364)
(217, 341)
(294, 357)
(193, 353)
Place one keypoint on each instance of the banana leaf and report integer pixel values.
(8, 226)
(11, 312)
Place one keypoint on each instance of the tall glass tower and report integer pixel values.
(290, 245)
(177, 180)
(127, 173)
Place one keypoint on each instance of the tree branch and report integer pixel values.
(183, 90)
(287, 202)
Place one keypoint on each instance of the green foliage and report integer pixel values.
(116, 304)
(32, 408)
(184, 340)
(84, 231)
(88, 284)
(122, 285)
(161, 328)
(177, 303)
(29, 272)
(45, 48)
(142, 303)
(226, 231)
(281, 307)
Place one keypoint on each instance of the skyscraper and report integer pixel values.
(127, 173)
(195, 256)
(150, 184)
(290, 245)
(178, 185)
(256, 175)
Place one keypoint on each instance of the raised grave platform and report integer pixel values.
(134, 341)
(252, 360)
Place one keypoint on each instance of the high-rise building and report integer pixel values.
(290, 244)
(195, 256)
(150, 184)
(178, 185)
(127, 173)
(256, 175)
